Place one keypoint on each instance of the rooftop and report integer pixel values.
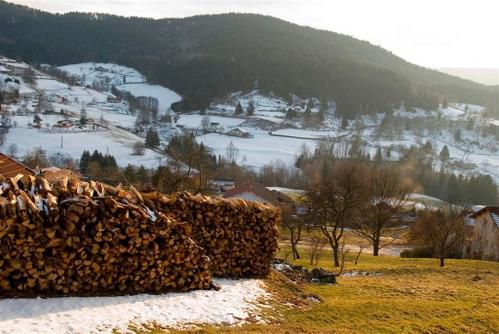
(11, 168)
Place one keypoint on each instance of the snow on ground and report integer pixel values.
(125, 79)
(193, 121)
(50, 84)
(286, 190)
(259, 150)
(165, 96)
(308, 134)
(234, 302)
(115, 74)
(116, 142)
(452, 113)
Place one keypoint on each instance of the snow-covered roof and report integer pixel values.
(491, 210)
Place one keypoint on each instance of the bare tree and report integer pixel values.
(28, 75)
(380, 213)
(36, 158)
(441, 230)
(139, 148)
(316, 244)
(231, 153)
(333, 201)
(12, 150)
(294, 224)
(205, 123)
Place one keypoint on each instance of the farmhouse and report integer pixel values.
(221, 185)
(238, 132)
(11, 168)
(256, 192)
(484, 239)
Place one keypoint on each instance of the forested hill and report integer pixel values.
(208, 56)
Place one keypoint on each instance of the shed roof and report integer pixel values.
(11, 168)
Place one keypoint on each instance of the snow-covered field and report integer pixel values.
(70, 100)
(165, 96)
(116, 142)
(194, 121)
(259, 150)
(125, 79)
(233, 303)
(115, 74)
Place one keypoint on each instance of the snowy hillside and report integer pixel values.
(110, 122)
(462, 127)
(277, 128)
(123, 78)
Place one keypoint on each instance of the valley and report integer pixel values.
(277, 131)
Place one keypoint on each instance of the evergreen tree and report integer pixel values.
(458, 135)
(251, 109)
(378, 158)
(37, 120)
(308, 110)
(84, 161)
(428, 148)
(152, 139)
(239, 109)
(344, 123)
(444, 153)
(83, 116)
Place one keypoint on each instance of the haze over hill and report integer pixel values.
(486, 76)
(205, 57)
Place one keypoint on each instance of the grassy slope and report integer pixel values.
(411, 296)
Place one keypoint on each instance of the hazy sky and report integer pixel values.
(432, 33)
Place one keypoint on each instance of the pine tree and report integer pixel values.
(37, 120)
(344, 123)
(444, 154)
(458, 135)
(428, 148)
(251, 109)
(84, 161)
(83, 116)
(152, 139)
(378, 158)
(308, 110)
(239, 109)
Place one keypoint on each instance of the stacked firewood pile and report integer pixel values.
(79, 238)
(239, 237)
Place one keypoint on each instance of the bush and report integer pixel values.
(421, 252)
(139, 148)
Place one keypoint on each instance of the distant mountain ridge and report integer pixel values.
(203, 57)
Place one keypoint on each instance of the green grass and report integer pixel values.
(409, 296)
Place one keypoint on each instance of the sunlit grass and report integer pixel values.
(406, 296)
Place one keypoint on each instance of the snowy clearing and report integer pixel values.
(194, 121)
(259, 150)
(116, 74)
(236, 301)
(165, 96)
(117, 142)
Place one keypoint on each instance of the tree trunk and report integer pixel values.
(442, 260)
(376, 248)
(294, 249)
(336, 259)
